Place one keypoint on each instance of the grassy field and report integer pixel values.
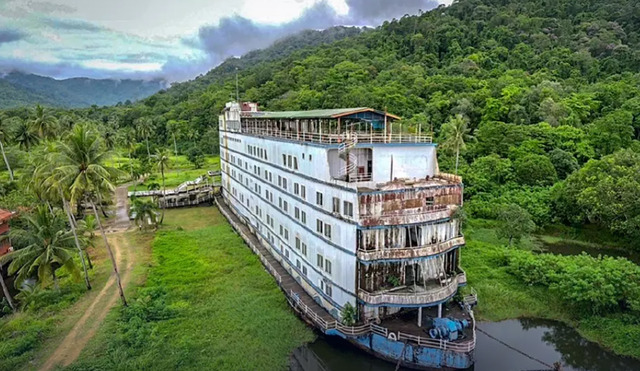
(180, 171)
(503, 296)
(25, 335)
(207, 303)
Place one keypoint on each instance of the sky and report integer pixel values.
(169, 39)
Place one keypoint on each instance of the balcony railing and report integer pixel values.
(415, 298)
(407, 216)
(328, 138)
(410, 252)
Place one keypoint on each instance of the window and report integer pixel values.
(319, 261)
(304, 270)
(280, 202)
(281, 230)
(336, 205)
(298, 243)
(284, 159)
(296, 189)
(319, 198)
(279, 181)
(296, 212)
(430, 201)
(326, 287)
(327, 230)
(348, 208)
(289, 162)
(286, 253)
(286, 234)
(319, 226)
(309, 157)
(304, 248)
(327, 266)
(303, 192)
(303, 217)
(286, 206)
(295, 163)
(298, 265)
(284, 183)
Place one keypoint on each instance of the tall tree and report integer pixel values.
(43, 122)
(5, 291)
(455, 133)
(145, 127)
(4, 134)
(142, 211)
(46, 245)
(24, 135)
(162, 160)
(173, 128)
(82, 167)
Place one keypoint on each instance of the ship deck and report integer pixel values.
(407, 321)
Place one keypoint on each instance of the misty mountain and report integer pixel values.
(20, 89)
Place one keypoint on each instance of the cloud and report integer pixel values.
(71, 24)
(9, 35)
(374, 12)
(47, 7)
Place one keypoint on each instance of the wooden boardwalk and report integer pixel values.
(288, 284)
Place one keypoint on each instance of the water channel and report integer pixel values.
(548, 341)
(545, 340)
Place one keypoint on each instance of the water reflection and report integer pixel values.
(548, 341)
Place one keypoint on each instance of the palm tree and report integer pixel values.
(127, 138)
(47, 246)
(163, 159)
(142, 211)
(25, 136)
(145, 127)
(455, 132)
(44, 123)
(45, 184)
(88, 225)
(5, 291)
(172, 128)
(4, 133)
(81, 166)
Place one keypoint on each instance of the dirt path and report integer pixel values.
(87, 326)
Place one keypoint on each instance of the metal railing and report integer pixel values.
(409, 252)
(328, 138)
(324, 325)
(415, 298)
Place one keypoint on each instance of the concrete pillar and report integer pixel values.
(419, 316)
(440, 310)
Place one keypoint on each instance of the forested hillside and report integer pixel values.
(19, 89)
(548, 92)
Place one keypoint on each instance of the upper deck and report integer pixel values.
(326, 126)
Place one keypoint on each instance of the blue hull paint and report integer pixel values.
(412, 356)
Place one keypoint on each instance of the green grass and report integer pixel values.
(25, 333)
(207, 304)
(181, 171)
(503, 296)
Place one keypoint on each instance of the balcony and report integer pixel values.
(410, 252)
(424, 215)
(333, 138)
(415, 296)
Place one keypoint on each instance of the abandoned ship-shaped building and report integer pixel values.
(362, 223)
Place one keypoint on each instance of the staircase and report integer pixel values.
(345, 153)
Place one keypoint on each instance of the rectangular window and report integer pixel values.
(303, 192)
(281, 230)
(284, 159)
(304, 249)
(286, 206)
(296, 189)
(430, 201)
(319, 226)
(284, 183)
(327, 266)
(319, 200)
(336, 205)
(296, 212)
(298, 243)
(280, 202)
(304, 270)
(298, 265)
(319, 261)
(327, 230)
(309, 157)
(279, 181)
(286, 234)
(295, 163)
(303, 218)
(290, 162)
(286, 253)
(348, 208)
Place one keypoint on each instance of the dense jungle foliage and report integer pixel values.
(548, 91)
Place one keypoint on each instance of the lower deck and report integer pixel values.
(399, 329)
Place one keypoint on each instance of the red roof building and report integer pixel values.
(5, 244)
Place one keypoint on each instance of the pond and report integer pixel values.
(547, 341)
(573, 248)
